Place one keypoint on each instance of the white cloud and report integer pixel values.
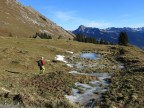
(97, 24)
(70, 20)
(64, 16)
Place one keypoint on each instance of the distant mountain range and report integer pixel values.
(135, 35)
(24, 21)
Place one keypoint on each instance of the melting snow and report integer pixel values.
(5, 90)
(70, 52)
(78, 84)
(75, 72)
(70, 65)
(121, 67)
(61, 58)
(86, 92)
(95, 82)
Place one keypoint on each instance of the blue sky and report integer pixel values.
(70, 14)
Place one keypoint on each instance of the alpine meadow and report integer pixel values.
(83, 68)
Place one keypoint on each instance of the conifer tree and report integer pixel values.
(123, 38)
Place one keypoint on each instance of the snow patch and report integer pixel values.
(60, 58)
(84, 93)
(78, 84)
(70, 52)
(5, 90)
(75, 72)
(95, 82)
(121, 67)
(70, 65)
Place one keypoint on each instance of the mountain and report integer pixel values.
(135, 35)
(22, 21)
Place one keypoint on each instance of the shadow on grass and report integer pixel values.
(12, 72)
(138, 70)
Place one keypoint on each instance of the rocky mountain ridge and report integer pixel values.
(136, 35)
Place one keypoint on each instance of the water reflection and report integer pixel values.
(91, 56)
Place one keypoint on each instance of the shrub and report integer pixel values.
(121, 51)
(10, 34)
(43, 18)
(42, 36)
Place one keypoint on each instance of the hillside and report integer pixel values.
(22, 21)
(21, 84)
(135, 35)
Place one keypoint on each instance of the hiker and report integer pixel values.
(41, 65)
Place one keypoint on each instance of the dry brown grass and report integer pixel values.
(127, 87)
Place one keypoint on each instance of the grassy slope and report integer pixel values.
(19, 72)
(21, 54)
(23, 21)
(127, 87)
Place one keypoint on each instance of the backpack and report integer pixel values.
(40, 63)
